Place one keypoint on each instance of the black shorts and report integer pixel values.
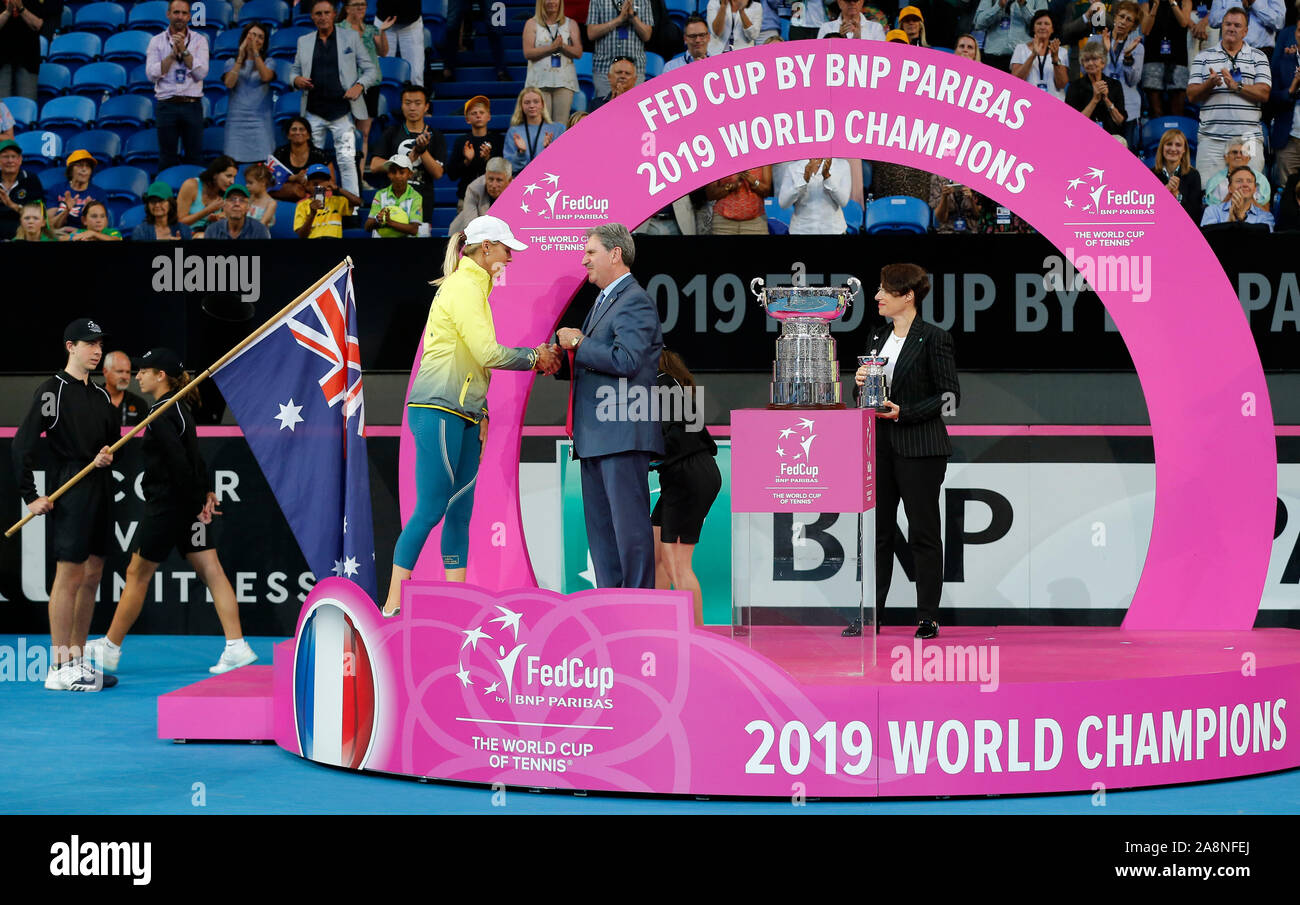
(687, 490)
(164, 528)
(82, 519)
(372, 102)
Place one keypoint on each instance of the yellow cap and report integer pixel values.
(910, 11)
(81, 154)
(897, 34)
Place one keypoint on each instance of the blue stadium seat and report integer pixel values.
(286, 107)
(1158, 126)
(580, 103)
(434, 10)
(117, 208)
(139, 83)
(122, 183)
(283, 80)
(441, 219)
(54, 79)
(898, 214)
(101, 19)
(268, 12)
(226, 46)
(150, 16)
(176, 175)
(214, 90)
(777, 216)
(654, 65)
(126, 111)
(141, 150)
(284, 43)
(394, 72)
(50, 178)
(128, 48)
(214, 142)
(219, 110)
(65, 20)
(284, 211)
(75, 47)
(23, 110)
(216, 15)
(678, 10)
(41, 150)
(95, 80)
(105, 146)
(853, 216)
(131, 218)
(67, 115)
(583, 67)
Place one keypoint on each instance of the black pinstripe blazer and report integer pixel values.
(924, 373)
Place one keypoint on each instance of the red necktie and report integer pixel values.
(573, 378)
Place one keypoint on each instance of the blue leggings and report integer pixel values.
(446, 466)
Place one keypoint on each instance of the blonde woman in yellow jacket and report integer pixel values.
(447, 406)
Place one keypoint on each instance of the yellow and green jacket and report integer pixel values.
(460, 345)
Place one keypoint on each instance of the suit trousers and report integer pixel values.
(915, 481)
(179, 121)
(616, 503)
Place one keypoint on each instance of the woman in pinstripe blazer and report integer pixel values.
(912, 446)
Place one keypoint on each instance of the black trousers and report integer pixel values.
(179, 121)
(915, 481)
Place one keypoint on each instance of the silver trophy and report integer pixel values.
(806, 373)
(874, 392)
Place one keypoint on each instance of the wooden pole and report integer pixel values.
(346, 262)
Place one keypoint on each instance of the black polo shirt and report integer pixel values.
(132, 408)
(26, 188)
(406, 11)
(77, 418)
(421, 181)
(325, 99)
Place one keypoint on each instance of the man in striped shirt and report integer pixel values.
(1230, 81)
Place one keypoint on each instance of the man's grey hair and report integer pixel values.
(498, 165)
(108, 359)
(615, 235)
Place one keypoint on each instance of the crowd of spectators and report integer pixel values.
(1228, 71)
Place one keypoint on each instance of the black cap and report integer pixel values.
(83, 329)
(162, 359)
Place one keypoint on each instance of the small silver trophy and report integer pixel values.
(806, 373)
(874, 390)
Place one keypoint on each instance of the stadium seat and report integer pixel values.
(580, 103)
(441, 219)
(105, 146)
(226, 46)
(283, 81)
(434, 10)
(214, 142)
(117, 208)
(54, 80)
(394, 72)
(214, 90)
(141, 150)
(219, 110)
(678, 10)
(23, 110)
(41, 150)
(139, 83)
(75, 47)
(176, 175)
(898, 214)
(654, 65)
(45, 46)
(51, 178)
(150, 16)
(284, 211)
(96, 80)
(122, 183)
(131, 218)
(286, 107)
(583, 67)
(853, 216)
(284, 43)
(268, 12)
(101, 19)
(125, 112)
(65, 20)
(1158, 126)
(67, 115)
(777, 228)
(217, 15)
(776, 214)
(127, 47)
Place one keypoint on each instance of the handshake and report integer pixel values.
(548, 359)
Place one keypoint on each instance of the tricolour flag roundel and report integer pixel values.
(334, 690)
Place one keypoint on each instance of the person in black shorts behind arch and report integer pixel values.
(178, 513)
(80, 423)
(689, 482)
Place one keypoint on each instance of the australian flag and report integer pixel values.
(296, 392)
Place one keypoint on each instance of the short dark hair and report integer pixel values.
(316, 3)
(900, 279)
(1038, 15)
(1236, 170)
(412, 88)
(695, 17)
(1237, 11)
(170, 2)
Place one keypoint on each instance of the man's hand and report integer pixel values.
(625, 11)
(1241, 204)
(40, 506)
(468, 151)
(303, 82)
(4, 199)
(104, 459)
(569, 337)
(548, 359)
(1201, 29)
(178, 46)
(354, 92)
(848, 29)
(485, 150)
(1227, 80)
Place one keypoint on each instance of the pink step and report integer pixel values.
(238, 705)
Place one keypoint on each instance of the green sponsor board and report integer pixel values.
(712, 560)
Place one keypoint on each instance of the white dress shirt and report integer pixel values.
(818, 202)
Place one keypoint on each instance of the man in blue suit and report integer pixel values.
(614, 362)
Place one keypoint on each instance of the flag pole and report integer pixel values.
(248, 340)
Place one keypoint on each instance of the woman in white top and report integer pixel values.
(551, 44)
(852, 24)
(1042, 61)
(733, 24)
(817, 189)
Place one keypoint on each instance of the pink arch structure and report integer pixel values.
(1216, 462)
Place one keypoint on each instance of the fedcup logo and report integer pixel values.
(527, 680)
(555, 204)
(1090, 195)
(794, 449)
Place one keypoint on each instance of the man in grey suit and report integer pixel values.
(326, 62)
(614, 360)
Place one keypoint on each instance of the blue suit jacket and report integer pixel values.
(620, 350)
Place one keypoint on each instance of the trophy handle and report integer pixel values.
(856, 285)
(756, 287)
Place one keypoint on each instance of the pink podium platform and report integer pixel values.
(235, 706)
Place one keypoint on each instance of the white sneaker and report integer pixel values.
(100, 654)
(74, 675)
(233, 658)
